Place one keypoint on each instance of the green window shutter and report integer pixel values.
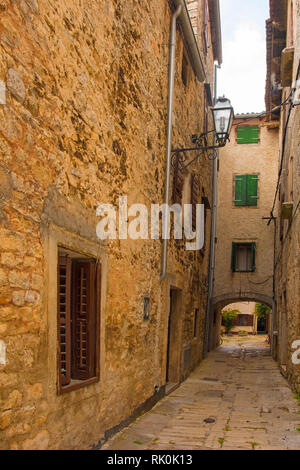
(252, 194)
(248, 135)
(253, 252)
(233, 257)
(240, 190)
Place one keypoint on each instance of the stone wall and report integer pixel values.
(287, 273)
(85, 122)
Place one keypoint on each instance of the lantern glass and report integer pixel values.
(223, 115)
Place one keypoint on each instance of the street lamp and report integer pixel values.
(223, 115)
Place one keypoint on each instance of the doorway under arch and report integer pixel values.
(244, 323)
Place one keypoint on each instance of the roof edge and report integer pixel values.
(190, 40)
(215, 18)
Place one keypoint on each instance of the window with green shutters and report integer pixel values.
(247, 134)
(243, 257)
(246, 190)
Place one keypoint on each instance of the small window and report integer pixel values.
(290, 41)
(195, 189)
(178, 181)
(78, 292)
(206, 113)
(146, 308)
(243, 320)
(247, 134)
(243, 257)
(291, 178)
(196, 319)
(281, 223)
(246, 190)
(205, 25)
(184, 70)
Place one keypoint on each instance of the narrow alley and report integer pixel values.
(149, 226)
(236, 399)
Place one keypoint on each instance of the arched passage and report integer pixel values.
(230, 298)
(218, 304)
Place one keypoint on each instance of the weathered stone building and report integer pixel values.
(89, 333)
(244, 252)
(283, 57)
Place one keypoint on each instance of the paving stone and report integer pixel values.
(250, 402)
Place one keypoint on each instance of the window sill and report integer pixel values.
(76, 384)
(243, 271)
(246, 205)
(248, 143)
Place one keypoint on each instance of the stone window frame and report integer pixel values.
(87, 370)
(56, 238)
(253, 247)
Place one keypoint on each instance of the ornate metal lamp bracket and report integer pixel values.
(179, 155)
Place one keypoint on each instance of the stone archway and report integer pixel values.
(230, 298)
(219, 302)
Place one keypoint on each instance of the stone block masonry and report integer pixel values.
(83, 122)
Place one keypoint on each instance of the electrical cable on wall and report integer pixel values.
(262, 282)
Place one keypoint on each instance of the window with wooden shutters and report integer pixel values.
(243, 257)
(247, 134)
(83, 319)
(281, 222)
(194, 199)
(78, 320)
(245, 320)
(206, 111)
(64, 319)
(184, 69)
(178, 181)
(205, 25)
(196, 321)
(246, 190)
(206, 204)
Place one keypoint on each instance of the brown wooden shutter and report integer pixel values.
(194, 199)
(177, 181)
(83, 320)
(205, 123)
(64, 319)
(250, 320)
(205, 24)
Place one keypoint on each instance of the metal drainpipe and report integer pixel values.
(169, 133)
(274, 290)
(212, 239)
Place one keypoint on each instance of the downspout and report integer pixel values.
(274, 290)
(212, 239)
(169, 134)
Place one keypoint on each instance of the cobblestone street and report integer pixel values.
(236, 399)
